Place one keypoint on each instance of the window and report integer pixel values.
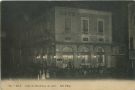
(84, 59)
(59, 59)
(85, 39)
(85, 25)
(100, 26)
(67, 23)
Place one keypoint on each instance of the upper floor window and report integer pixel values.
(67, 23)
(100, 26)
(85, 39)
(85, 25)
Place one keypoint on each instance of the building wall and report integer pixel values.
(75, 43)
(76, 31)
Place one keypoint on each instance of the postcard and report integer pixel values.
(68, 45)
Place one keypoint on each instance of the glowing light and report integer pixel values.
(94, 56)
(38, 57)
(79, 56)
(67, 56)
(45, 57)
(55, 56)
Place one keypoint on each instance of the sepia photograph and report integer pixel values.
(68, 45)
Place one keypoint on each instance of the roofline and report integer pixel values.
(90, 11)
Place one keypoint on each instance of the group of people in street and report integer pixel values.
(45, 70)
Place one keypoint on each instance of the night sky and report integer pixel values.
(16, 16)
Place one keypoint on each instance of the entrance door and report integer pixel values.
(67, 59)
(84, 59)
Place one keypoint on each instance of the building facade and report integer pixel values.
(64, 37)
(73, 38)
(83, 37)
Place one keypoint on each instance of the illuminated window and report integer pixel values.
(85, 25)
(84, 58)
(68, 57)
